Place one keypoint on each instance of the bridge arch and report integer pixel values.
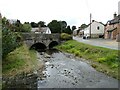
(38, 46)
(52, 44)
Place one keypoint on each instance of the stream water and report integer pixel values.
(63, 70)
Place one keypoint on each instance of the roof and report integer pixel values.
(110, 30)
(34, 29)
(42, 29)
(115, 20)
(96, 22)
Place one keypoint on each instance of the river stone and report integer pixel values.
(46, 55)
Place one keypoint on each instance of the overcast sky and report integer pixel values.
(74, 12)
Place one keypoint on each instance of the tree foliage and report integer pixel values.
(73, 28)
(54, 26)
(26, 27)
(83, 26)
(68, 30)
(59, 27)
(63, 25)
(41, 23)
(10, 39)
(33, 24)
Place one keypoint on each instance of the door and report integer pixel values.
(109, 35)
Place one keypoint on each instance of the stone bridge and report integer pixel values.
(41, 41)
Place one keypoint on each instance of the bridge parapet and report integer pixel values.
(46, 39)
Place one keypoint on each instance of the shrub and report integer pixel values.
(115, 65)
(65, 36)
(101, 60)
(77, 53)
(9, 41)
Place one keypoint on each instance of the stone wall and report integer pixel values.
(113, 33)
(46, 39)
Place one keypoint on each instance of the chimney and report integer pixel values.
(119, 8)
(114, 15)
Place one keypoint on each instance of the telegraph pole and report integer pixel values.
(90, 24)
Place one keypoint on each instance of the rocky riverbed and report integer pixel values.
(61, 70)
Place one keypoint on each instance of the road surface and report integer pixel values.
(112, 44)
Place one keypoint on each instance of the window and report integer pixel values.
(98, 28)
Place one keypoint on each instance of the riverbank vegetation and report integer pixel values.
(65, 36)
(16, 57)
(103, 59)
(20, 60)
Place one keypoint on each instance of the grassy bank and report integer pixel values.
(20, 60)
(103, 59)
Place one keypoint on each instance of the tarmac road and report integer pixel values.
(112, 44)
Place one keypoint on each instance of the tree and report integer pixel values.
(63, 25)
(18, 26)
(41, 23)
(33, 24)
(54, 26)
(68, 30)
(9, 38)
(26, 27)
(73, 28)
(26, 23)
(83, 26)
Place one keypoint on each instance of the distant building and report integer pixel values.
(97, 29)
(34, 29)
(112, 29)
(76, 32)
(42, 30)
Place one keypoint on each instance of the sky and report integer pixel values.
(74, 12)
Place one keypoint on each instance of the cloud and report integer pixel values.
(73, 11)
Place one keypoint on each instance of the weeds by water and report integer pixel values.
(20, 60)
(103, 59)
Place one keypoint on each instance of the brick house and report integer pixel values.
(112, 28)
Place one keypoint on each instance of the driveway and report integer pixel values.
(112, 44)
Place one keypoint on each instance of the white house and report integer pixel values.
(43, 30)
(75, 32)
(97, 29)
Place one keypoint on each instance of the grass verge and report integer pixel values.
(20, 60)
(103, 59)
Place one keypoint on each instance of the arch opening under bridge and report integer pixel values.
(52, 44)
(39, 46)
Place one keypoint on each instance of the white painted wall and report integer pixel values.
(94, 28)
(75, 32)
(48, 31)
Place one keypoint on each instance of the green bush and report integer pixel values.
(100, 60)
(9, 41)
(65, 36)
(77, 53)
